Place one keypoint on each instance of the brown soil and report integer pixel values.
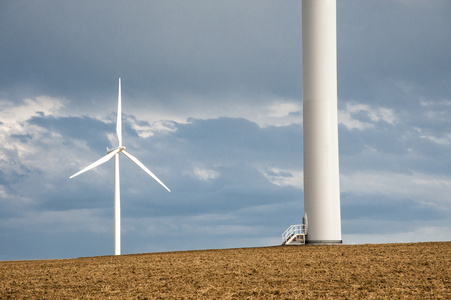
(386, 271)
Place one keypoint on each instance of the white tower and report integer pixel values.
(320, 127)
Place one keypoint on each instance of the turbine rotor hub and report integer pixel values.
(121, 148)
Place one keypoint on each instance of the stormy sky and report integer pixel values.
(212, 104)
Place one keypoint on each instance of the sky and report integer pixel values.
(212, 104)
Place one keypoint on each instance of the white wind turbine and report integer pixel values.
(117, 196)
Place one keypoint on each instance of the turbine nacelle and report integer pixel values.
(108, 151)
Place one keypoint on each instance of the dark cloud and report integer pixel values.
(233, 140)
(161, 47)
(93, 132)
(381, 207)
(384, 44)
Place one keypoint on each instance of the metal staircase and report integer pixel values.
(294, 235)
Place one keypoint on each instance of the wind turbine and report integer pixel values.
(117, 195)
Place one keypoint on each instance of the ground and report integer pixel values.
(382, 271)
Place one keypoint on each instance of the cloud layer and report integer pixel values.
(212, 104)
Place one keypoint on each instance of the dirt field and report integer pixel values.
(387, 271)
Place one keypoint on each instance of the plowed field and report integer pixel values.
(383, 271)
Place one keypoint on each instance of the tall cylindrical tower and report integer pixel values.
(320, 127)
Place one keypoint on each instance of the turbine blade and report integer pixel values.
(97, 163)
(140, 164)
(119, 115)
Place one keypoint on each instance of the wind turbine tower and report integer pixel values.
(115, 152)
(320, 126)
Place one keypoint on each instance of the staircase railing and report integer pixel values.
(292, 230)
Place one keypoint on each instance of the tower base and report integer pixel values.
(323, 242)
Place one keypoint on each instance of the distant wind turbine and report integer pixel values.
(115, 152)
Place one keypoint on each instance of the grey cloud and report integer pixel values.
(199, 47)
(235, 148)
(93, 131)
(385, 42)
(381, 207)
(236, 139)
(23, 138)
